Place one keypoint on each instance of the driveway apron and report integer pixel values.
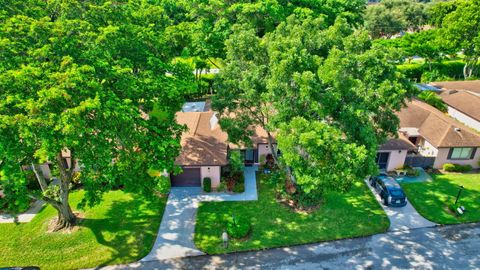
(175, 235)
(402, 218)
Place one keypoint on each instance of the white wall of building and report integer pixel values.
(428, 149)
(396, 158)
(214, 172)
(442, 158)
(467, 120)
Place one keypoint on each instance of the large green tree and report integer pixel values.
(314, 81)
(390, 17)
(82, 77)
(212, 20)
(461, 28)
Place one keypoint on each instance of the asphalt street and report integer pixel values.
(448, 247)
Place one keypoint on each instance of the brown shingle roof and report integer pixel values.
(463, 101)
(202, 145)
(436, 127)
(400, 143)
(473, 86)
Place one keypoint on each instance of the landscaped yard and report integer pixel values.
(354, 214)
(121, 229)
(431, 199)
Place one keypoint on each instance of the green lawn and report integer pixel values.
(121, 229)
(354, 214)
(431, 199)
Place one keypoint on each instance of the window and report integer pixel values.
(461, 153)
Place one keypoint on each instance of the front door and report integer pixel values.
(382, 160)
(249, 157)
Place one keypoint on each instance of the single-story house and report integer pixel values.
(437, 136)
(463, 101)
(205, 147)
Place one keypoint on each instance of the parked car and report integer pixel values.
(389, 190)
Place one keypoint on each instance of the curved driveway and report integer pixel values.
(403, 218)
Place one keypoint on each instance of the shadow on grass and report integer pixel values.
(343, 215)
(129, 228)
(432, 199)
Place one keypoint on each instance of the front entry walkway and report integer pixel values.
(23, 217)
(402, 218)
(175, 236)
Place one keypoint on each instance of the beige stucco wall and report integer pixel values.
(396, 159)
(263, 150)
(442, 158)
(214, 172)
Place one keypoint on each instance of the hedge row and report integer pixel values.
(440, 71)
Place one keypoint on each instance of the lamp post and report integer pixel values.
(458, 194)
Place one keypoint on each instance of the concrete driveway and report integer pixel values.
(402, 218)
(175, 235)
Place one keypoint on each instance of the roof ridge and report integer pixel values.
(196, 122)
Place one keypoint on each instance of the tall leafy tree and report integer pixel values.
(82, 80)
(330, 80)
(212, 20)
(462, 29)
(325, 91)
(390, 17)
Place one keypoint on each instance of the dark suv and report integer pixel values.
(389, 190)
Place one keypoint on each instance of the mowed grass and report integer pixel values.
(431, 199)
(353, 214)
(121, 229)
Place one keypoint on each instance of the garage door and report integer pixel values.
(190, 177)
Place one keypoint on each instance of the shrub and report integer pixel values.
(465, 168)
(420, 72)
(207, 184)
(238, 183)
(448, 167)
(238, 227)
(433, 99)
(235, 162)
(163, 185)
(239, 187)
(223, 186)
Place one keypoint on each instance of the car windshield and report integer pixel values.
(396, 192)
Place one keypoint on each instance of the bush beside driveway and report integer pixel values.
(432, 199)
(353, 214)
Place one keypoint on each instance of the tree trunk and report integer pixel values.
(465, 68)
(60, 201)
(66, 218)
(290, 180)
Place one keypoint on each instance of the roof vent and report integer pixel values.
(451, 92)
(213, 121)
(457, 129)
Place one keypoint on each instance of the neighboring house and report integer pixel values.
(463, 106)
(205, 147)
(463, 101)
(471, 86)
(439, 138)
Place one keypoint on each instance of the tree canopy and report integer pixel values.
(82, 77)
(390, 17)
(461, 28)
(327, 93)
